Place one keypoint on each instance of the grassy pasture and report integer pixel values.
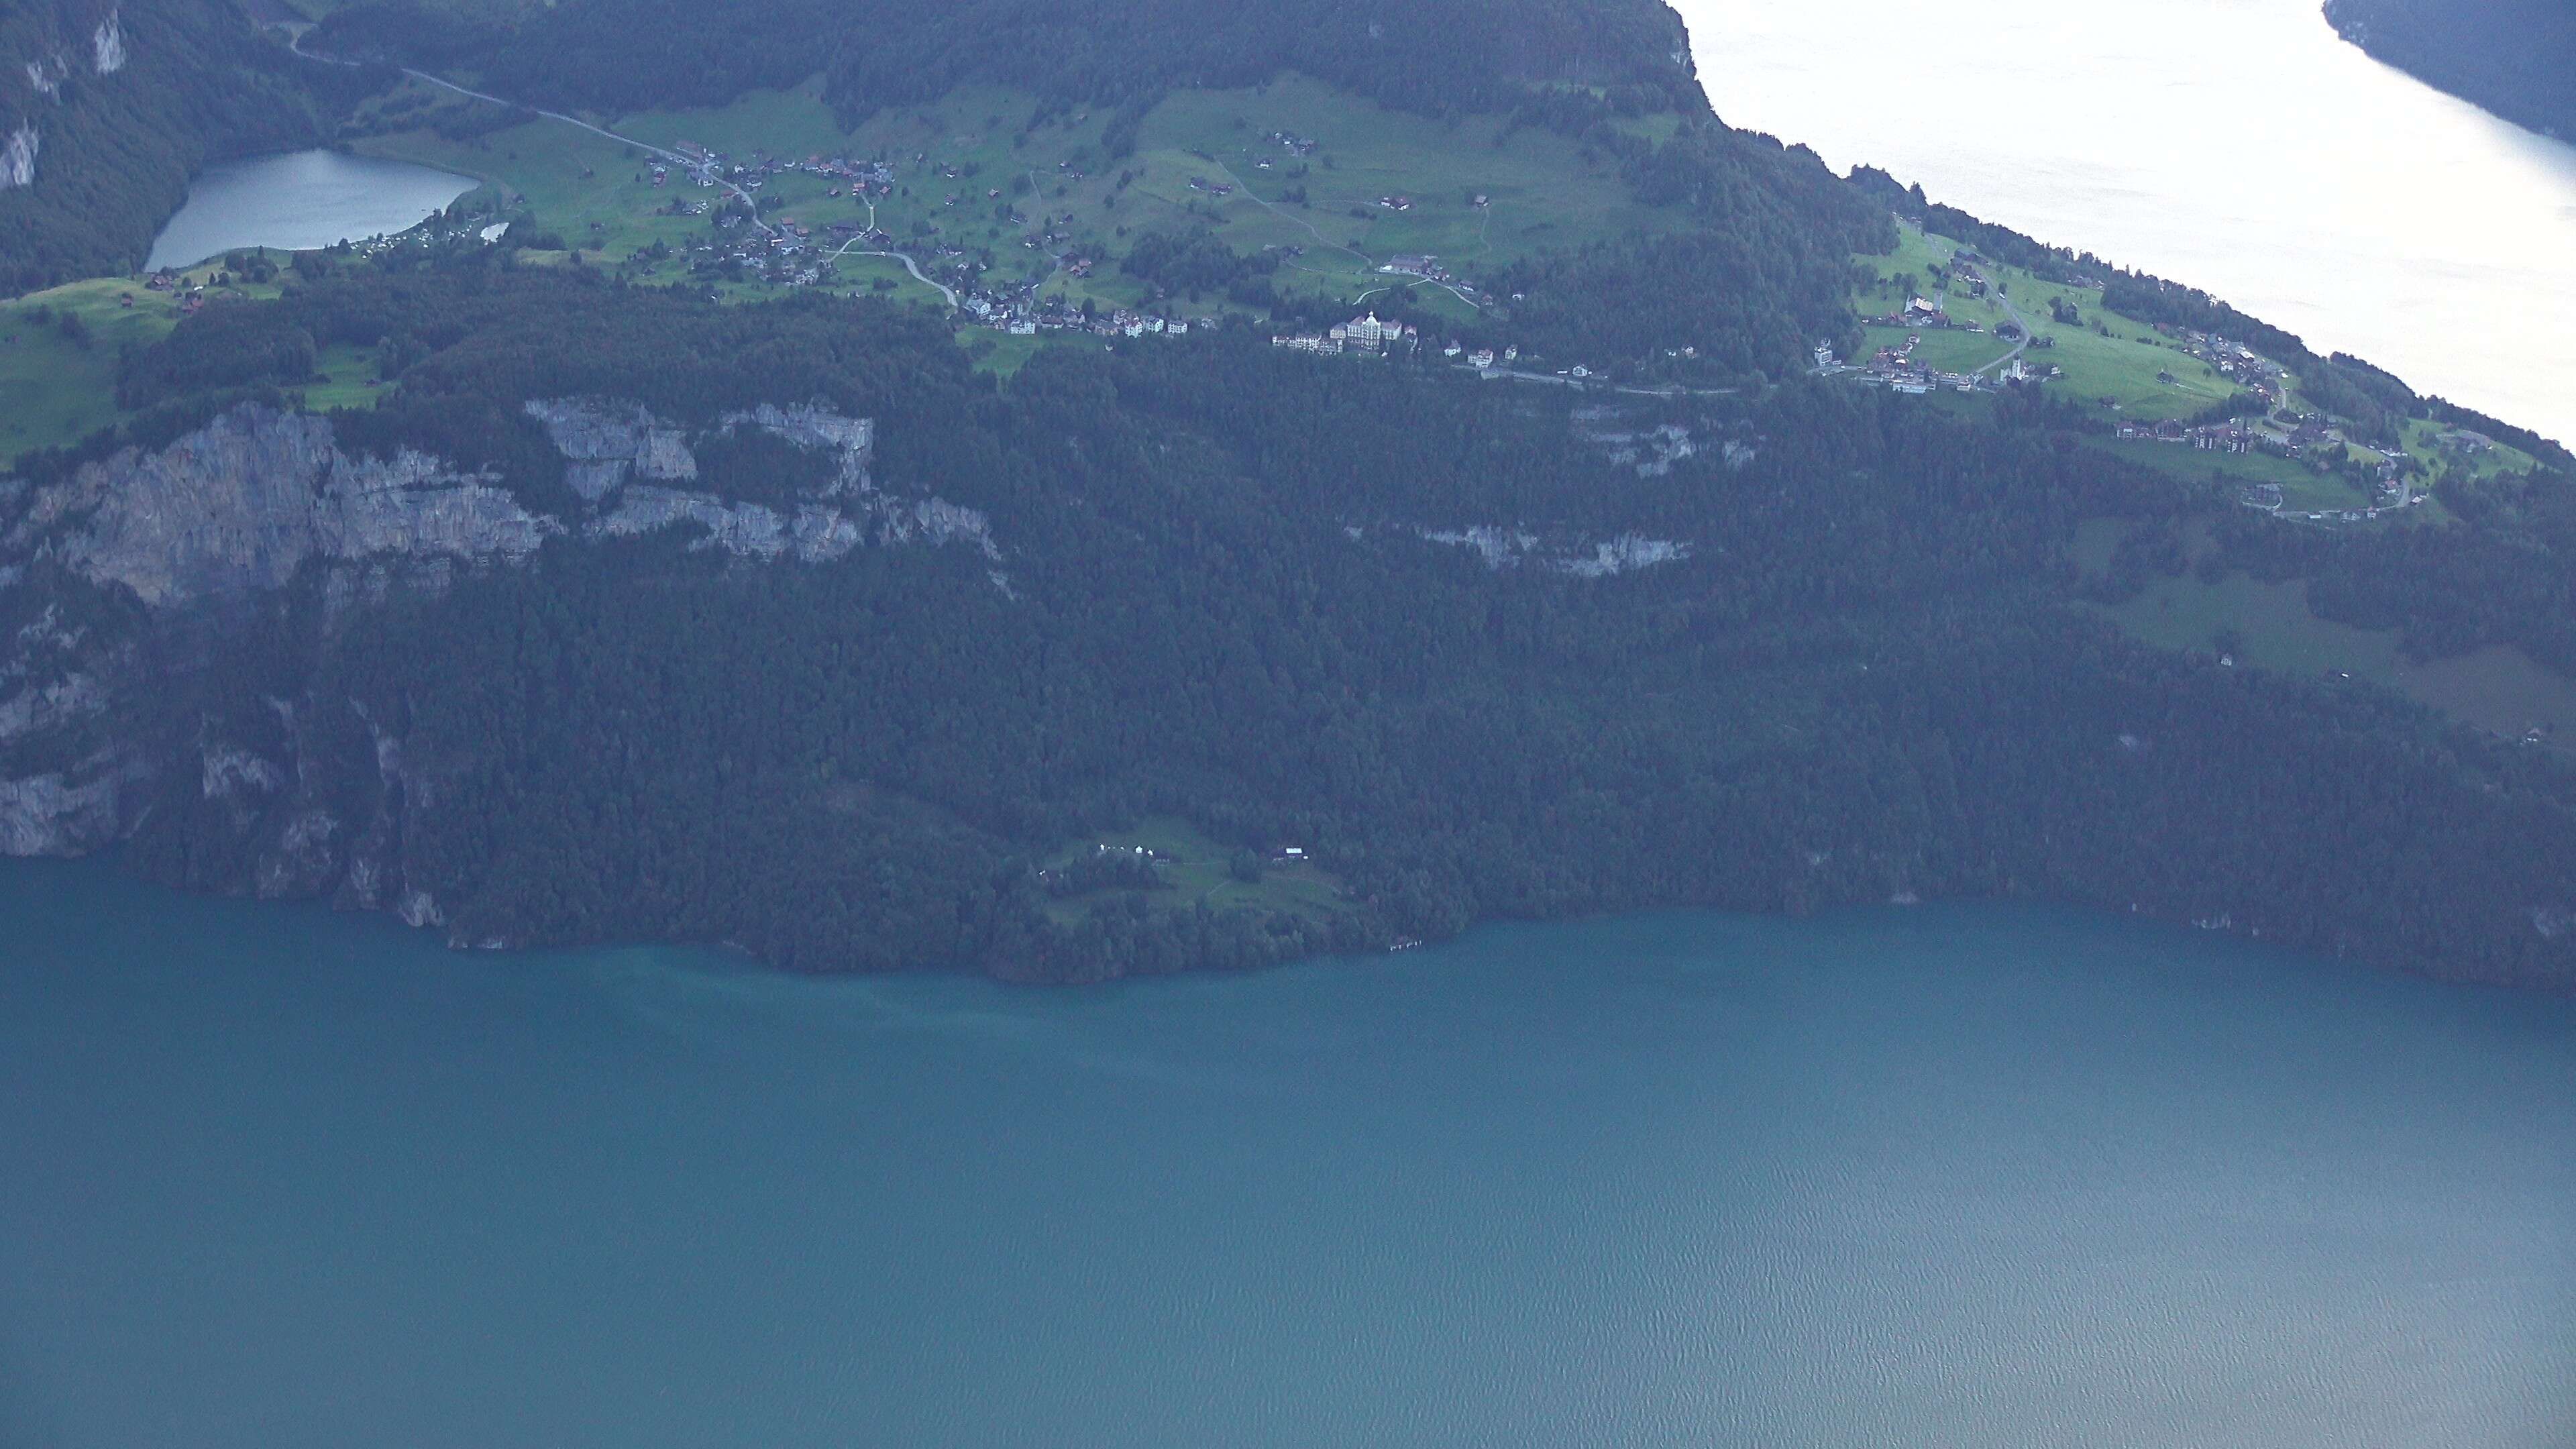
(55, 390)
(967, 163)
(2303, 488)
(1198, 874)
(2122, 363)
(2497, 688)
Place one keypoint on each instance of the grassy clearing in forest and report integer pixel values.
(1199, 871)
(57, 386)
(2270, 626)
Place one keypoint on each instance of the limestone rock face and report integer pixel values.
(627, 464)
(61, 812)
(107, 46)
(127, 586)
(852, 441)
(18, 155)
(242, 503)
(605, 443)
(749, 529)
(1585, 558)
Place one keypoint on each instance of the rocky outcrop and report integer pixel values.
(242, 503)
(107, 46)
(18, 157)
(124, 586)
(625, 461)
(606, 443)
(1503, 548)
(39, 708)
(748, 529)
(851, 441)
(1624, 554)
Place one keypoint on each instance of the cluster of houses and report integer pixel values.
(1297, 145)
(2239, 364)
(780, 253)
(1926, 313)
(191, 296)
(2307, 441)
(2228, 437)
(1896, 368)
(711, 168)
(1367, 336)
(2310, 439)
(1019, 311)
(1364, 334)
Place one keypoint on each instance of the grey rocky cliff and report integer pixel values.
(606, 443)
(1588, 558)
(127, 587)
(242, 503)
(626, 463)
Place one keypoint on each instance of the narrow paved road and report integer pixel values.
(909, 265)
(2018, 321)
(1279, 210)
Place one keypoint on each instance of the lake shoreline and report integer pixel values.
(305, 199)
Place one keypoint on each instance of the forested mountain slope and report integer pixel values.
(634, 616)
(635, 596)
(106, 110)
(2516, 58)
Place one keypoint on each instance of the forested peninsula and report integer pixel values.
(544, 591)
(2516, 58)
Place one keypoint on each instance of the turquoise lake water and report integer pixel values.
(300, 200)
(1959, 1176)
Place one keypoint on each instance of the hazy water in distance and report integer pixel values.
(2236, 145)
(1959, 1176)
(299, 201)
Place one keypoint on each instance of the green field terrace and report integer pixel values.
(58, 379)
(2120, 369)
(989, 172)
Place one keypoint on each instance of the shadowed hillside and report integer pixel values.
(2516, 58)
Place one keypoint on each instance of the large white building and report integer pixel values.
(1370, 333)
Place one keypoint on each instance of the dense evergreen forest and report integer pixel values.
(2516, 58)
(114, 107)
(1229, 588)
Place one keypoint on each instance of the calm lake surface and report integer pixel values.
(1960, 1176)
(2236, 145)
(300, 201)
